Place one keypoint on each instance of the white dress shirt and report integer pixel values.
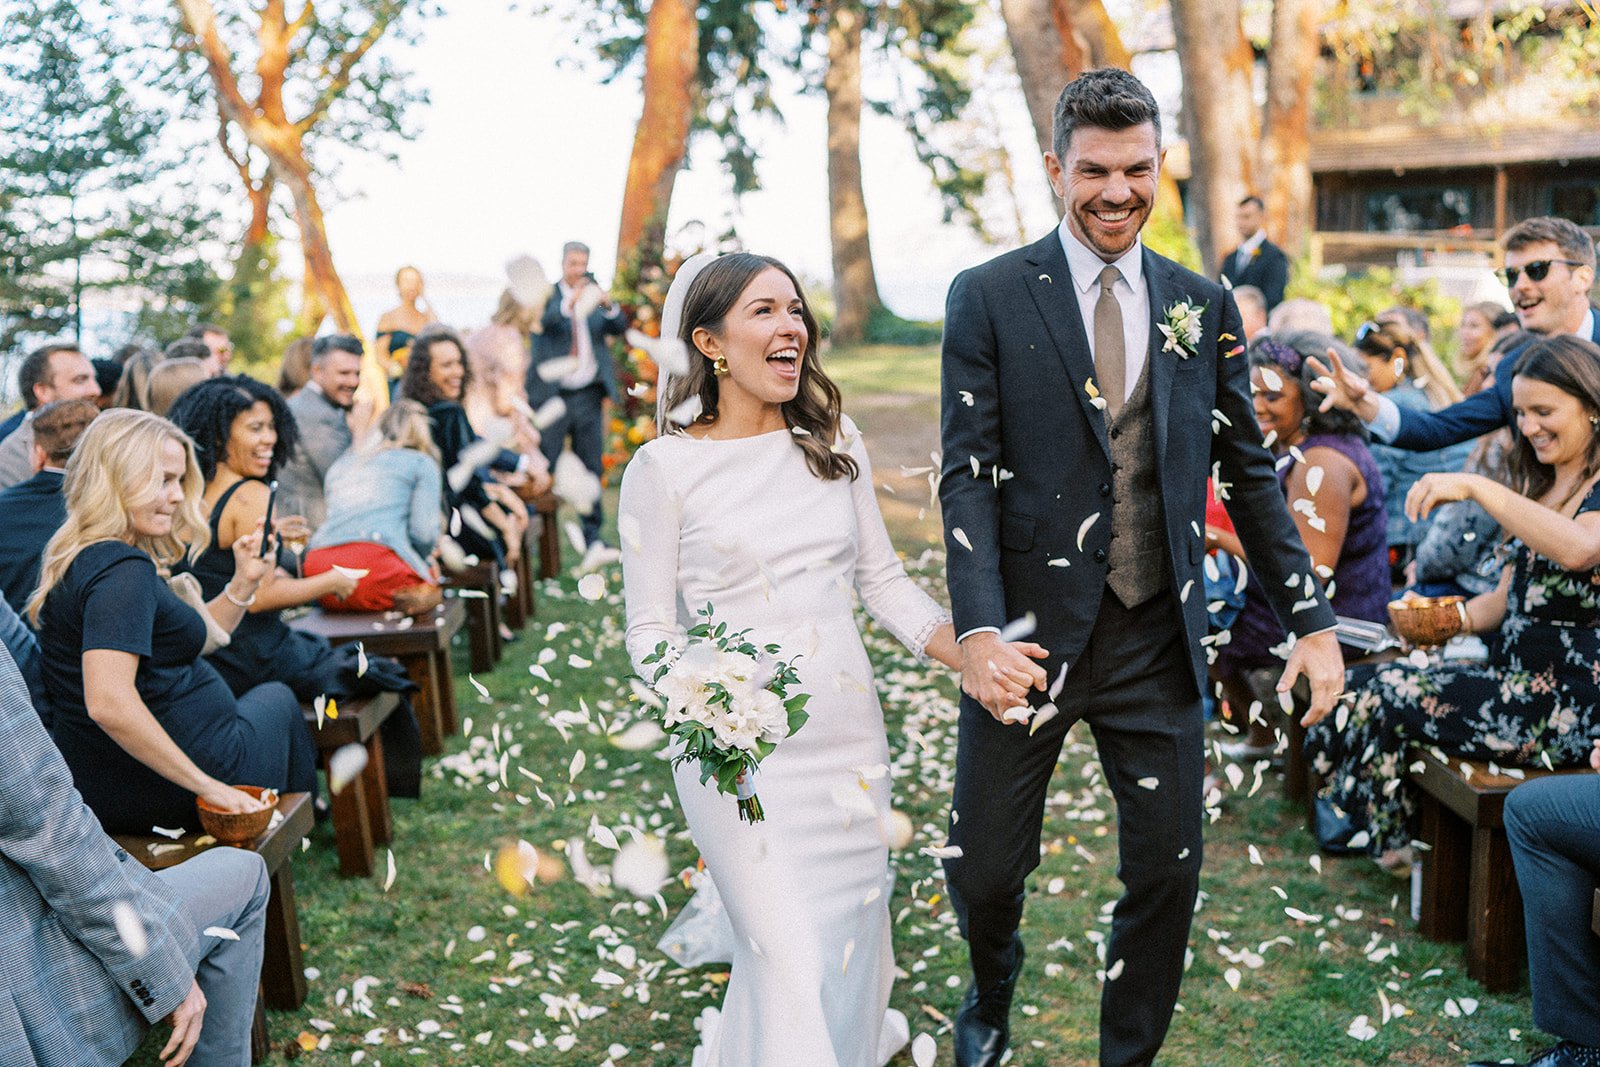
(1132, 296)
(1386, 423)
(585, 371)
(1247, 249)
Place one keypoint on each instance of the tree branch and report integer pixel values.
(201, 20)
(341, 72)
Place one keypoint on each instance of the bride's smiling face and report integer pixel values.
(763, 338)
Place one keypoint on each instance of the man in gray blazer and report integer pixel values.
(94, 948)
(322, 415)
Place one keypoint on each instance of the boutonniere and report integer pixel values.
(1256, 251)
(1182, 328)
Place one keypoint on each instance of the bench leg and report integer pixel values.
(1495, 942)
(549, 545)
(283, 970)
(445, 687)
(1445, 867)
(352, 829)
(1296, 777)
(481, 633)
(375, 784)
(260, 1040)
(526, 574)
(422, 669)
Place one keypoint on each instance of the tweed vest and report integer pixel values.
(1137, 560)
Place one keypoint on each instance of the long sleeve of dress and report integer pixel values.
(890, 595)
(647, 522)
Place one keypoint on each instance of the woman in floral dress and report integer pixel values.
(1536, 701)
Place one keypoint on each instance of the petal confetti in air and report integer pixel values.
(1083, 528)
(130, 928)
(345, 765)
(1017, 629)
(924, 1050)
(592, 586)
(220, 931)
(960, 537)
(388, 879)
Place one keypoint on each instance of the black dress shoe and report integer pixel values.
(983, 1025)
(1566, 1054)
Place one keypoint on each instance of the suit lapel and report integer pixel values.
(1159, 363)
(1049, 282)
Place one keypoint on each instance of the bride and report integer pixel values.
(763, 506)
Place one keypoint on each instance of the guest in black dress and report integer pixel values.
(145, 723)
(243, 433)
(487, 520)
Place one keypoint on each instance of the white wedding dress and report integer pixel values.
(745, 526)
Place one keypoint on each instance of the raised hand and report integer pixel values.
(1431, 490)
(1343, 388)
(249, 566)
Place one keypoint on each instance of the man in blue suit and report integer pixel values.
(35, 509)
(94, 948)
(572, 361)
(1550, 268)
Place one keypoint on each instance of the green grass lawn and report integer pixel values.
(446, 966)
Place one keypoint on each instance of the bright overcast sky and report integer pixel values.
(518, 154)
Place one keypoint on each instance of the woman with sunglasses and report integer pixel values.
(1550, 268)
(1534, 702)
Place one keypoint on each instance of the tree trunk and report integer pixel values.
(855, 283)
(1097, 35)
(1219, 117)
(1286, 142)
(1042, 59)
(661, 140)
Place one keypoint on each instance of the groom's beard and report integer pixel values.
(1111, 243)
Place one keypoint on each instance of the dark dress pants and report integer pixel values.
(1134, 685)
(1554, 827)
(584, 422)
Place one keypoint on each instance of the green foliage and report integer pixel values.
(89, 199)
(1166, 235)
(254, 307)
(884, 327)
(1354, 297)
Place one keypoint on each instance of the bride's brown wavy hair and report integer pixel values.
(815, 407)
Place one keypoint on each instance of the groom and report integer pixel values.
(1093, 434)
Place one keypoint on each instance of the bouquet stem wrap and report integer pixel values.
(749, 803)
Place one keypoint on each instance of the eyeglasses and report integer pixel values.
(1538, 270)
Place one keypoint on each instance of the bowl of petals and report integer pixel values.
(239, 827)
(1428, 621)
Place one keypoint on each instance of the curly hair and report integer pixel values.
(206, 412)
(1291, 353)
(417, 381)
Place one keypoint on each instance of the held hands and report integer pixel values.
(1343, 388)
(1318, 658)
(998, 674)
(186, 1020)
(1431, 490)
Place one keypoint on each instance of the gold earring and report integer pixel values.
(719, 366)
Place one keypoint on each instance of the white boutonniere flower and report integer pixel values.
(1182, 328)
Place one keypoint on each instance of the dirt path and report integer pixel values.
(901, 430)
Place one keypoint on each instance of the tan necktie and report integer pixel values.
(1110, 345)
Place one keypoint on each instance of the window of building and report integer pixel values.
(1435, 207)
(1578, 200)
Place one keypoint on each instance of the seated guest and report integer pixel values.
(492, 519)
(35, 509)
(1300, 315)
(242, 432)
(496, 400)
(322, 413)
(398, 326)
(133, 388)
(192, 348)
(168, 380)
(1393, 351)
(79, 990)
(1535, 700)
(24, 649)
(145, 723)
(385, 500)
(107, 373)
(1336, 496)
(1252, 310)
(1475, 338)
(53, 372)
(219, 347)
(1554, 828)
(295, 369)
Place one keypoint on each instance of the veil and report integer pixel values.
(668, 351)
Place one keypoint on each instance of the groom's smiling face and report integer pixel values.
(1108, 184)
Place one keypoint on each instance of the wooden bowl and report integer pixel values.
(238, 828)
(1428, 621)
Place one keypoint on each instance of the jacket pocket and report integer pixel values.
(1016, 532)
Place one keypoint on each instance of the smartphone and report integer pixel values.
(266, 525)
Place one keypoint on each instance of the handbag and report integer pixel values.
(186, 587)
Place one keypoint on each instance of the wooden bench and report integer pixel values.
(283, 972)
(1595, 922)
(477, 587)
(361, 817)
(1469, 883)
(420, 643)
(520, 608)
(549, 535)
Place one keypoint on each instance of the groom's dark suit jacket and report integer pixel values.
(1016, 361)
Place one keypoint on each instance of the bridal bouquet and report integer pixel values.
(728, 701)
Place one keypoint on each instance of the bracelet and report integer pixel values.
(1466, 619)
(227, 591)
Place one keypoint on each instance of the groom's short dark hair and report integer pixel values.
(1108, 98)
